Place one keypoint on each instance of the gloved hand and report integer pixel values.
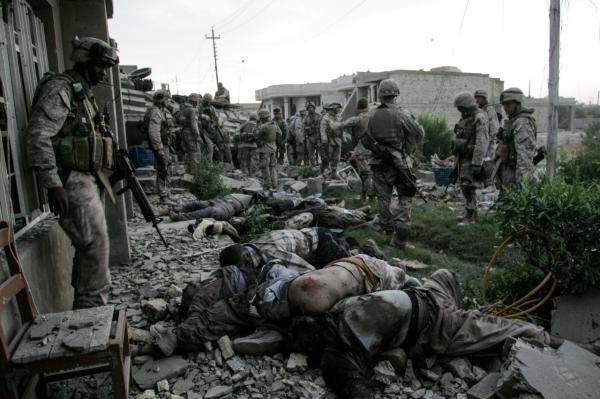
(58, 201)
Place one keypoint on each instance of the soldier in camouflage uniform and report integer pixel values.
(296, 142)
(247, 145)
(517, 140)
(392, 136)
(268, 134)
(312, 132)
(331, 140)
(209, 120)
(59, 136)
(191, 137)
(155, 122)
(494, 125)
(360, 156)
(278, 119)
(470, 146)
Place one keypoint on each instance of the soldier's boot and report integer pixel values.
(400, 236)
(470, 217)
(164, 200)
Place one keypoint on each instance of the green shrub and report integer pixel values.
(567, 213)
(255, 223)
(438, 137)
(515, 281)
(308, 171)
(207, 182)
(585, 166)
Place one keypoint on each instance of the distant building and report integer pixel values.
(421, 92)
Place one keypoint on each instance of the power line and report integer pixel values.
(213, 38)
(251, 18)
(462, 21)
(350, 11)
(227, 20)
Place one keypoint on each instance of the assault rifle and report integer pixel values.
(398, 159)
(124, 170)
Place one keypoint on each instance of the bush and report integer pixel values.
(255, 223)
(207, 182)
(438, 137)
(584, 167)
(308, 171)
(570, 215)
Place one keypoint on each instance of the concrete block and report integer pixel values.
(577, 317)
(486, 388)
(384, 372)
(297, 362)
(226, 348)
(218, 391)
(153, 371)
(397, 357)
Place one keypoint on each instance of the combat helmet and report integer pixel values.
(159, 96)
(194, 97)
(480, 93)
(465, 100)
(207, 97)
(310, 104)
(512, 94)
(91, 49)
(263, 113)
(253, 116)
(388, 87)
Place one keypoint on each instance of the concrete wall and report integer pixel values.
(46, 258)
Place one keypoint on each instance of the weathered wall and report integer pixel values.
(46, 258)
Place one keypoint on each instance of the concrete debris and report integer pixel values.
(155, 309)
(565, 373)
(76, 341)
(486, 388)
(162, 386)
(261, 342)
(174, 291)
(397, 358)
(76, 325)
(147, 394)
(314, 185)
(460, 367)
(384, 372)
(148, 291)
(139, 335)
(40, 330)
(577, 317)
(218, 391)
(235, 364)
(150, 373)
(226, 349)
(297, 362)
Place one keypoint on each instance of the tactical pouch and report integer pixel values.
(108, 161)
(460, 146)
(99, 151)
(73, 153)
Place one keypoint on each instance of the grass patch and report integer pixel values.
(255, 223)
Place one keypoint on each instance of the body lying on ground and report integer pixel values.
(282, 294)
(426, 321)
(221, 208)
(221, 306)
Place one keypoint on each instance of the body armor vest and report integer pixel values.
(80, 145)
(384, 127)
(312, 125)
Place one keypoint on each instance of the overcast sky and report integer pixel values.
(267, 42)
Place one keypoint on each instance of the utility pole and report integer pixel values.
(553, 86)
(213, 38)
(176, 84)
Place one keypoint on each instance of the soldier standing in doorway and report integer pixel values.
(62, 130)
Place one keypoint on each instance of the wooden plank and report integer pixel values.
(58, 349)
(10, 288)
(32, 349)
(101, 336)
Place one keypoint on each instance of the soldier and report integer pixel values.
(312, 133)
(191, 138)
(209, 120)
(157, 128)
(296, 141)
(278, 119)
(360, 156)
(393, 136)
(494, 125)
(331, 139)
(222, 94)
(517, 140)
(268, 135)
(59, 136)
(470, 146)
(247, 145)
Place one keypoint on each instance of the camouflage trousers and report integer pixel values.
(192, 150)
(208, 149)
(224, 152)
(385, 179)
(312, 149)
(268, 168)
(291, 153)
(161, 164)
(85, 225)
(248, 158)
(301, 153)
(334, 152)
(469, 183)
